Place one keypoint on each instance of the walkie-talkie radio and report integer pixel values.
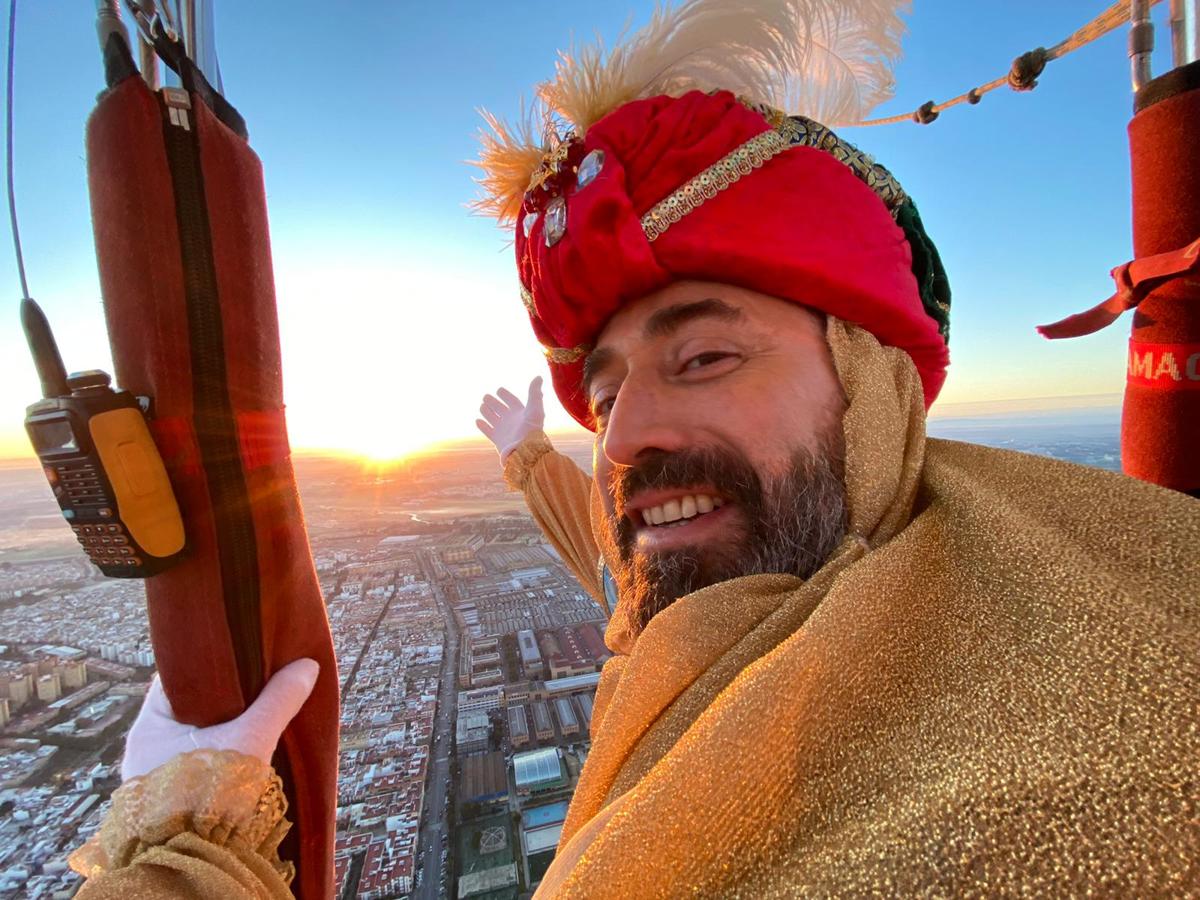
(101, 461)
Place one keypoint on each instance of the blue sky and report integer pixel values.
(399, 309)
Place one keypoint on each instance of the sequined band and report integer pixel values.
(742, 161)
(564, 356)
(801, 132)
(527, 299)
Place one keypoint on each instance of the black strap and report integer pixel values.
(118, 61)
(1178, 81)
(172, 53)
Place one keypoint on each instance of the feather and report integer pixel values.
(830, 60)
(699, 44)
(846, 68)
(508, 156)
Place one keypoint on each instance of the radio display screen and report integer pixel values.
(53, 435)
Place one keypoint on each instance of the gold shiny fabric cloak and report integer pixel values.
(205, 825)
(991, 688)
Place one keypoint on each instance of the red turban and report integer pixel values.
(704, 187)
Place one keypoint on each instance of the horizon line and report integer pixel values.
(956, 409)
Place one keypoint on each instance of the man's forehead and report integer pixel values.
(636, 317)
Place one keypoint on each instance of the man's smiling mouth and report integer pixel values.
(677, 510)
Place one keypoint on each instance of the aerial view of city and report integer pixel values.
(467, 653)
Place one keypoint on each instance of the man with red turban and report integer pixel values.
(849, 659)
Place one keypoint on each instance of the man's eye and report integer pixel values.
(602, 406)
(705, 359)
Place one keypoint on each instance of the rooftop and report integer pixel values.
(537, 767)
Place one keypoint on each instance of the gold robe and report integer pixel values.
(205, 825)
(991, 688)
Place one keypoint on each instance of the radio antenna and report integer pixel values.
(46, 357)
(8, 133)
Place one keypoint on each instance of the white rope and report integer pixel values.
(1022, 75)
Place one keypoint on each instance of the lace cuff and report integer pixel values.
(225, 797)
(524, 458)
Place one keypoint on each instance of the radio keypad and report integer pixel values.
(80, 483)
(107, 545)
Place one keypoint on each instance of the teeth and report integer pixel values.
(681, 508)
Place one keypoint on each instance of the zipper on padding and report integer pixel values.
(216, 427)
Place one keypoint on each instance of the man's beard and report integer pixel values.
(789, 525)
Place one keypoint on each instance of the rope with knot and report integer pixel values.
(1026, 68)
(1024, 71)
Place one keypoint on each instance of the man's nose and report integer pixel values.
(642, 421)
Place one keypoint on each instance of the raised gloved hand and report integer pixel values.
(156, 735)
(507, 421)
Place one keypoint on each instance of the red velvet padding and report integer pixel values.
(1160, 428)
(141, 278)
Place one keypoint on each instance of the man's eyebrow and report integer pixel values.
(671, 318)
(595, 361)
(661, 324)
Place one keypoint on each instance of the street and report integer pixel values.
(433, 844)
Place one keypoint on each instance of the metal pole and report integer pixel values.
(1141, 42)
(189, 30)
(147, 58)
(1185, 31)
(108, 22)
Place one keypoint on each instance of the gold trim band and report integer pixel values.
(564, 356)
(720, 175)
(527, 299)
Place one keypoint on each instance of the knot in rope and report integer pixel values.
(1026, 68)
(925, 113)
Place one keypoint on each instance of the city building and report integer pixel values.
(565, 653)
(571, 685)
(541, 828)
(538, 771)
(462, 549)
(531, 657)
(480, 699)
(518, 726)
(20, 690)
(464, 662)
(479, 662)
(74, 674)
(516, 694)
(592, 635)
(472, 731)
(49, 687)
(542, 726)
(567, 722)
(484, 778)
(487, 677)
(585, 707)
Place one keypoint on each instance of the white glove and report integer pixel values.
(156, 735)
(507, 421)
